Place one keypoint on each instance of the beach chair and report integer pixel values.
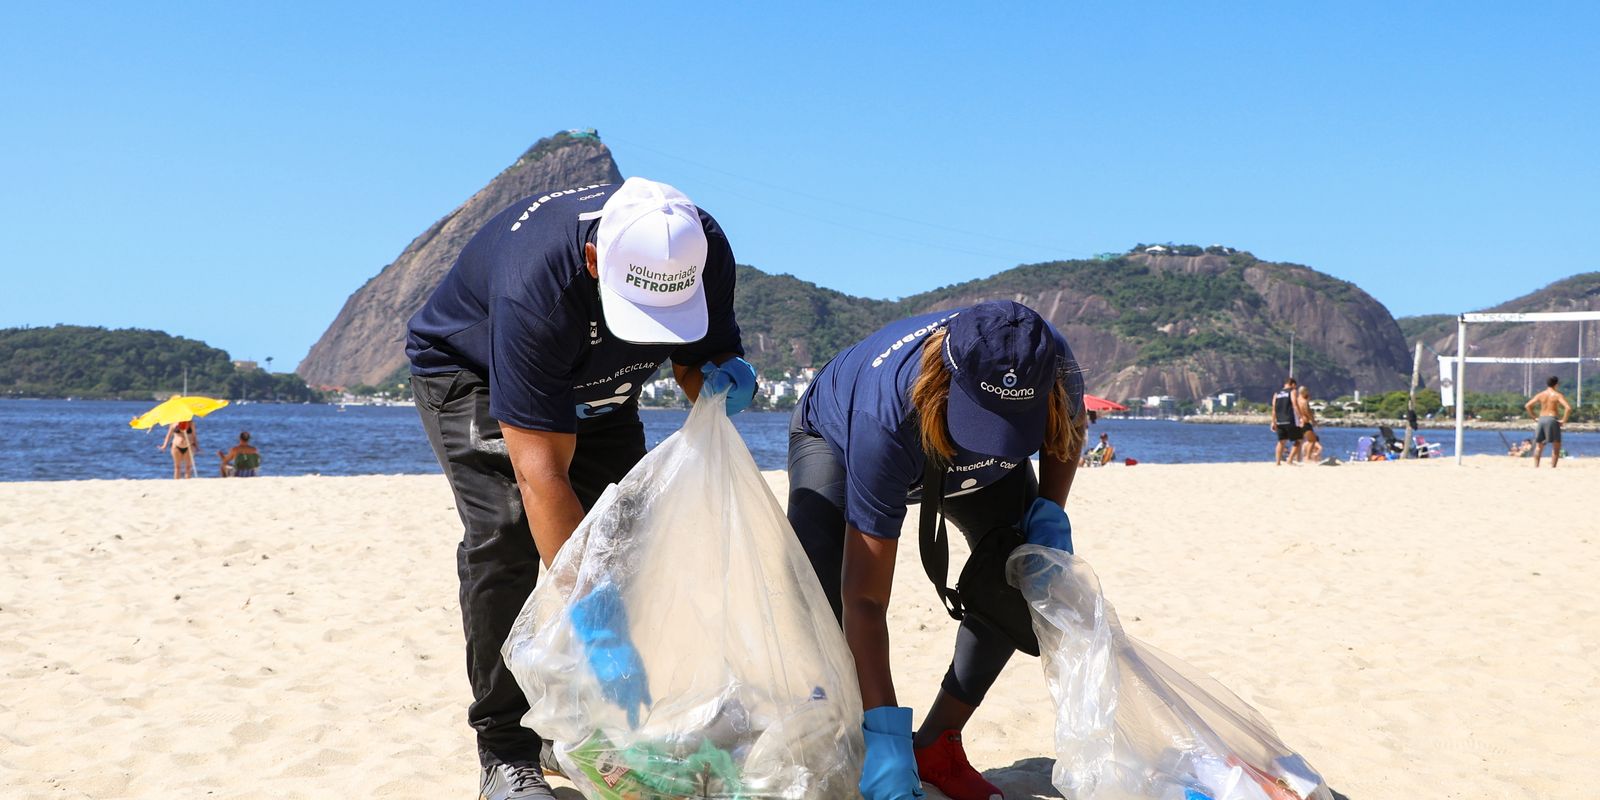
(1363, 449)
(1427, 449)
(1391, 442)
(246, 465)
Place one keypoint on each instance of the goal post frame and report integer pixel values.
(1459, 380)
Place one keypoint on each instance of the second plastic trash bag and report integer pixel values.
(680, 645)
(1132, 722)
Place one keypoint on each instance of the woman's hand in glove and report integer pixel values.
(601, 623)
(890, 772)
(1047, 525)
(735, 376)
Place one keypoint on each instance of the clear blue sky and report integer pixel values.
(232, 172)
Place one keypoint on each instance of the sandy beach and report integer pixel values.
(1414, 629)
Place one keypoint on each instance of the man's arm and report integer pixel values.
(690, 378)
(541, 460)
(1566, 408)
(1528, 407)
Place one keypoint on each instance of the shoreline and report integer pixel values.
(1398, 424)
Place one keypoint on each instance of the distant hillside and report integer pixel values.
(1426, 327)
(77, 361)
(1140, 323)
(365, 344)
(1578, 293)
(1177, 320)
(1191, 325)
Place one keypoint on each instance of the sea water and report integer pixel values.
(46, 440)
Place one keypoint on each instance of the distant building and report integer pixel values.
(1161, 405)
(245, 366)
(1156, 249)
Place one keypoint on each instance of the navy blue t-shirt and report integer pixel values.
(860, 404)
(520, 309)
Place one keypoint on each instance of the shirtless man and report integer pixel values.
(1549, 427)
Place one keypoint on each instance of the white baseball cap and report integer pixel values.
(651, 253)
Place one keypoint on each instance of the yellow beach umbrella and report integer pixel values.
(177, 409)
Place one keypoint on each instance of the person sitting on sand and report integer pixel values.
(182, 439)
(977, 391)
(233, 466)
(1101, 454)
(1549, 430)
(1521, 449)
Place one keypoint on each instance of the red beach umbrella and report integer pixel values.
(1093, 403)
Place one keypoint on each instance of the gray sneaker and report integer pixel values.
(507, 782)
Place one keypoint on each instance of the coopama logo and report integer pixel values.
(1007, 388)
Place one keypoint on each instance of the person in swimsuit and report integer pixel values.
(1311, 444)
(181, 440)
(1549, 430)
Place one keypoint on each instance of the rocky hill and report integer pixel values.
(1519, 339)
(1180, 321)
(366, 342)
(1191, 325)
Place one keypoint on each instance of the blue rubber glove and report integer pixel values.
(601, 622)
(1047, 525)
(735, 376)
(890, 772)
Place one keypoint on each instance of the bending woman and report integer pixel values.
(981, 389)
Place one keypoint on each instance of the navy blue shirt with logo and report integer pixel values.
(520, 309)
(860, 404)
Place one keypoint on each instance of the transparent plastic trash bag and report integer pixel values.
(681, 647)
(1133, 722)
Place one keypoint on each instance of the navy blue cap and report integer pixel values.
(1003, 362)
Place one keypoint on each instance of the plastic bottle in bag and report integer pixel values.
(739, 682)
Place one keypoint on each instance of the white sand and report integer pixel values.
(1416, 630)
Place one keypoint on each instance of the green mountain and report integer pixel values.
(1142, 323)
(131, 363)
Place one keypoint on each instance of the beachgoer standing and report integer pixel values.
(181, 440)
(527, 363)
(979, 390)
(1549, 428)
(1286, 421)
(1311, 444)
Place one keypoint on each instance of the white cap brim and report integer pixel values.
(679, 324)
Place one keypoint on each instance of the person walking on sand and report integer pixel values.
(1311, 444)
(181, 440)
(965, 397)
(527, 363)
(1286, 422)
(1549, 428)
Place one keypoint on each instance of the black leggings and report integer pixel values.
(497, 562)
(816, 511)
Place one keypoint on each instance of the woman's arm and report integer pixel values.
(689, 378)
(1055, 477)
(167, 440)
(867, 578)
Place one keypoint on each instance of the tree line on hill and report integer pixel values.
(130, 363)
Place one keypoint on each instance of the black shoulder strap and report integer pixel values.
(933, 539)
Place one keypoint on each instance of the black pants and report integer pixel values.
(497, 561)
(816, 511)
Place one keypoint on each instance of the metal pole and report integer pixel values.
(1411, 404)
(1291, 353)
(1461, 388)
(1580, 363)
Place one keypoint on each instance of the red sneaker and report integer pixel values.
(944, 764)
